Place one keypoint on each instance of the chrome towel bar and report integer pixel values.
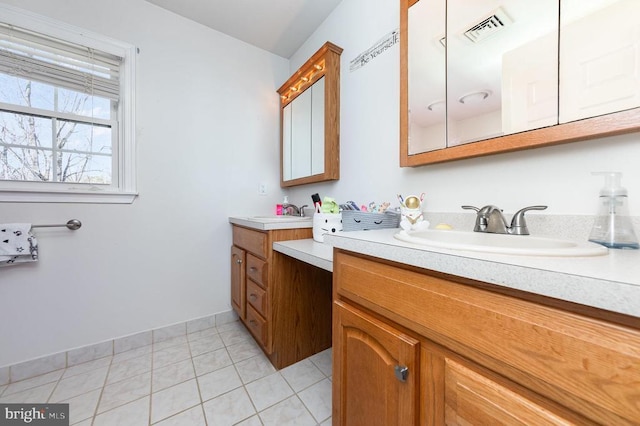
(73, 224)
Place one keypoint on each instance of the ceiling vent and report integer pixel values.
(489, 26)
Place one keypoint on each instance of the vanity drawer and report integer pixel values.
(257, 270)
(257, 297)
(252, 241)
(257, 326)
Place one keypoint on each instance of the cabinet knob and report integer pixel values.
(253, 323)
(253, 297)
(253, 269)
(401, 373)
(238, 261)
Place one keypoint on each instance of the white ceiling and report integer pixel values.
(278, 26)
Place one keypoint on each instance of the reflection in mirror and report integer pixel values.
(603, 75)
(303, 122)
(427, 76)
(598, 81)
(310, 119)
(502, 72)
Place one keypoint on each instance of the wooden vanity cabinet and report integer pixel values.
(474, 353)
(284, 303)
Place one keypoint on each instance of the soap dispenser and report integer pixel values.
(612, 227)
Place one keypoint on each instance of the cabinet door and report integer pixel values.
(370, 385)
(472, 398)
(238, 289)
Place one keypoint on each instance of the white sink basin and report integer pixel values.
(500, 243)
(278, 218)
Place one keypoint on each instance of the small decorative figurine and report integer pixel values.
(411, 210)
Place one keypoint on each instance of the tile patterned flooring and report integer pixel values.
(214, 377)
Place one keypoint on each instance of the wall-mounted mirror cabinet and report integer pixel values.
(310, 120)
(493, 76)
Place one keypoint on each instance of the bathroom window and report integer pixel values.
(66, 113)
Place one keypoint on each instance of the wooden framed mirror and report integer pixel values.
(589, 92)
(310, 120)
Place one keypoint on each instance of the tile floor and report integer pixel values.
(217, 376)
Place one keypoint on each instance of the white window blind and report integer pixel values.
(67, 112)
(37, 57)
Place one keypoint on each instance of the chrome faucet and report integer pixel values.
(490, 219)
(293, 210)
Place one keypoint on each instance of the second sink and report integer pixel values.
(501, 243)
(278, 218)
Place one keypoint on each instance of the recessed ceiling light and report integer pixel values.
(474, 97)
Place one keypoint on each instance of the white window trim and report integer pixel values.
(124, 153)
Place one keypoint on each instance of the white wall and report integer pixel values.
(369, 140)
(207, 134)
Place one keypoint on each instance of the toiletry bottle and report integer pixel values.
(285, 201)
(612, 227)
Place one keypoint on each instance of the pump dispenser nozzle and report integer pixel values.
(612, 227)
(612, 186)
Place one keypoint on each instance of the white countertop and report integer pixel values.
(268, 223)
(610, 282)
(309, 251)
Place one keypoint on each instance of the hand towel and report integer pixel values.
(17, 244)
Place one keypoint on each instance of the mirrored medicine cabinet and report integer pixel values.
(310, 120)
(493, 76)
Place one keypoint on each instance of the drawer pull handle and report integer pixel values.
(238, 261)
(253, 297)
(401, 373)
(253, 323)
(253, 269)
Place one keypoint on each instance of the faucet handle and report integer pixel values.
(481, 220)
(518, 224)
